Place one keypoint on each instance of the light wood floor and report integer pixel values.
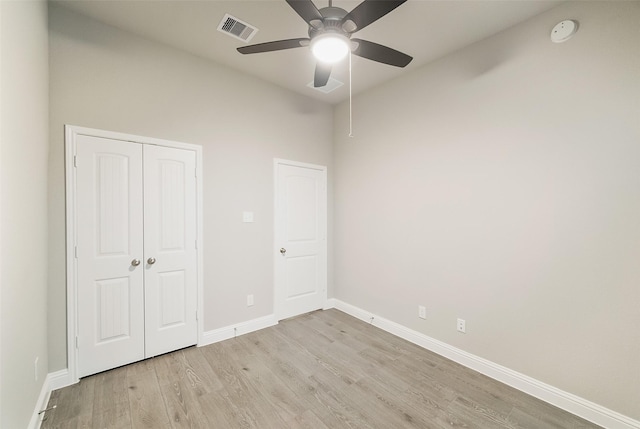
(320, 370)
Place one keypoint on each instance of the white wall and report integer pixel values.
(501, 185)
(105, 78)
(23, 207)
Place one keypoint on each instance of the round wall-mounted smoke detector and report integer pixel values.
(564, 31)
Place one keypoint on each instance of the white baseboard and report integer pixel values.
(329, 304)
(43, 399)
(569, 402)
(60, 379)
(221, 334)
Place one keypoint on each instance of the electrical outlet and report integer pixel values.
(247, 217)
(462, 326)
(35, 369)
(422, 312)
(249, 300)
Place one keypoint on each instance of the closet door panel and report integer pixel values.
(110, 235)
(170, 249)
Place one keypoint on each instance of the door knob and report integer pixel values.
(135, 262)
(151, 261)
(283, 250)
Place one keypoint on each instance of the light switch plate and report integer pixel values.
(247, 217)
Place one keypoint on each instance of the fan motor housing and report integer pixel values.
(333, 13)
(331, 22)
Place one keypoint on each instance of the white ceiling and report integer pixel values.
(424, 29)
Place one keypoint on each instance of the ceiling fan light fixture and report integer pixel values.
(330, 47)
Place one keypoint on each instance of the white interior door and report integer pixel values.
(301, 238)
(136, 207)
(170, 249)
(110, 292)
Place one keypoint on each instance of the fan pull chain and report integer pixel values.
(350, 101)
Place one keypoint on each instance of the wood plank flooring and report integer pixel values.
(320, 370)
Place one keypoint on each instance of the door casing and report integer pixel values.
(71, 134)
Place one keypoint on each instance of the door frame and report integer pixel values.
(71, 134)
(277, 162)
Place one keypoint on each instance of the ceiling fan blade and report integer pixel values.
(307, 10)
(278, 45)
(321, 76)
(367, 12)
(380, 53)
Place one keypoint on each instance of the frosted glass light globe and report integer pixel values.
(330, 48)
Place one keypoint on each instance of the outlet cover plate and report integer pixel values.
(247, 217)
(462, 326)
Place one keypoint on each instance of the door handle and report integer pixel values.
(283, 250)
(135, 262)
(151, 261)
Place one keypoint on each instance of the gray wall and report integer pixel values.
(498, 185)
(105, 78)
(23, 202)
(501, 185)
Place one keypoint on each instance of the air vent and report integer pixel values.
(331, 85)
(236, 28)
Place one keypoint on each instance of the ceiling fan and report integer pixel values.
(330, 31)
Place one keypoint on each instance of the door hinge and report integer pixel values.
(196, 314)
(75, 252)
(196, 244)
(75, 161)
(77, 342)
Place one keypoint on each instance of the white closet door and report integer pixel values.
(170, 249)
(110, 295)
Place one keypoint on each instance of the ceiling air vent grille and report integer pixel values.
(237, 28)
(332, 85)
